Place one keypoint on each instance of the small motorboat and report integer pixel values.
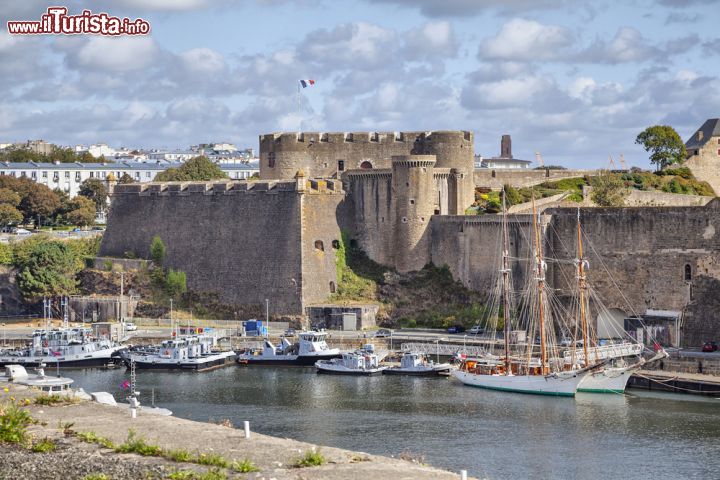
(414, 363)
(310, 348)
(360, 362)
(17, 375)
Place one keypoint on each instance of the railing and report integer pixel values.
(606, 351)
(442, 349)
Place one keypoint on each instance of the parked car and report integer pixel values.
(290, 332)
(709, 347)
(130, 327)
(456, 329)
(383, 332)
(476, 330)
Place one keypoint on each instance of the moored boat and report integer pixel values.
(186, 353)
(18, 375)
(64, 347)
(414, 363)
(310, 348)
(359, 362)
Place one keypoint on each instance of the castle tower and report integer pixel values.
(413, 195)
(455, 150)
(506, 147)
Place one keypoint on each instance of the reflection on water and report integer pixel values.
(491, 434)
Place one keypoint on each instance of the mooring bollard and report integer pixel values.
(246, 424)
(463, 474)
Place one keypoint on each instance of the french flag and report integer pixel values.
(307, 83)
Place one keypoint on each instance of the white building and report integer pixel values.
(172, 155)
(68, 176)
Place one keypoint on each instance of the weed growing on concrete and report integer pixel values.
(244, 466)
(66, 428)
(55, 399)
(96, 476)
(212, 459)
(44, 446)
(179, 455)
(312, 458)
(13, 423)
(213, 474)
(92, 437)
(138, 445)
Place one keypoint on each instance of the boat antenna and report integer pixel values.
(582, 287)
(505, 270)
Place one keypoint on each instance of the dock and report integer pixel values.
(676, 382)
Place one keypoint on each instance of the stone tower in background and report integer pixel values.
(703, 153)
(413, 201)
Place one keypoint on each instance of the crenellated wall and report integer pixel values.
(247, 241)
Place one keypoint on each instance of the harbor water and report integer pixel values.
(493, 435)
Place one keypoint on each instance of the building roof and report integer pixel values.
(711, 128)
(486, 161)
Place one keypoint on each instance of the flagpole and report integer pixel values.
(298, 107)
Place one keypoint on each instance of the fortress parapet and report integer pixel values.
(228, 188)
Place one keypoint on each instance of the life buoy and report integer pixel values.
(167, 352)
(45, 343)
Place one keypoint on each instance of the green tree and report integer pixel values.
(608, 190)
(39, 203)
(175, 283)
(512, 196)
(9, 197)
(664, 143)
(9, 215)
(46, 268)
(95, 190)
(125, 179)
(157, 250)
(196, 169)
(81, 211)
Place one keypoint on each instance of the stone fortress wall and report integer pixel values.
(247, 241)
(276, 238)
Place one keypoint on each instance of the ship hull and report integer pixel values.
(608, 380)
(560, 386)
(293, 360)
(417, 373)
(209, 363)
(348, 371)
(104, 358)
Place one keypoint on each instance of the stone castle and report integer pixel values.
(401, 197)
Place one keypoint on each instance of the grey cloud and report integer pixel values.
(463, 8)
(711, 47)
(681, 17)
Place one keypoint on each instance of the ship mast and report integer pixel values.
(506, 285)
(582, 287)
(541, 288)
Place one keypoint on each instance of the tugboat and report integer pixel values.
(310, 348)
(64, 347)
(360, 362)
(187, 353)
(413, 363)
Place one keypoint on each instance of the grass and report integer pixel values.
(212, 459)
(179, 455)
(312, 458)
(213, 474)
(357, 274)
(92, 437)
(135, 444)
(55, 399)
(13, 423)
(244, 466)
(96, 476)
(44, 446)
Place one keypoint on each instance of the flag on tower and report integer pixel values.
(307, 83)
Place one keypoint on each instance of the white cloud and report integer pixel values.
(527, 40)
(204, 61)
(434, 39)
(628, 45)
(115, 54)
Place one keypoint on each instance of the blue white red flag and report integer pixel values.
(57, 354)
(307, 83)
(125, 385)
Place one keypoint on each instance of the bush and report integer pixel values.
(175, 283)
(157, 251)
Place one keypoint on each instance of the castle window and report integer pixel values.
(336, 244)
(366, 165)
(319, 245)
(437, 211)
(492, 174)
(412, 201)
(341, 165)
(332, 287)
(271, 159)
(718, 151)
(422, 219)
(404, 219)
(688, 272)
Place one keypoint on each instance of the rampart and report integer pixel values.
(666, 258)
(496, 178)
(247, 241)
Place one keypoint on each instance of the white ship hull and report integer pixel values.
(562, 384)
(97, 358)
(608, 380)
(333, 368)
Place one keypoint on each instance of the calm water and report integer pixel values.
(491, 434)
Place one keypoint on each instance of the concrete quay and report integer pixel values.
(276, 458)
(675, 382)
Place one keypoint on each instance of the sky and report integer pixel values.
(575, 80)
